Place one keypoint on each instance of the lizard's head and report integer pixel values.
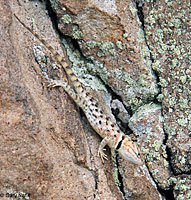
(128, 150)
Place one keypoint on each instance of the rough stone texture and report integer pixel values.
(167, 29)
(109, 33)
(137, 182)
(40, 153)
(46, 151)
(182, 187)
(147, 123)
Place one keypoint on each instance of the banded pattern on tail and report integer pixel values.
(77, 85)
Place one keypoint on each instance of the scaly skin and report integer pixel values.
(103, 125)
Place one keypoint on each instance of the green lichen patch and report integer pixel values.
(113, 52)
(157, 67)
(77, 34)
(124, 76)
(92, 44)
(20, 195)
(54, 4)
(139, 87)
(166, 31)
(132, 9)
(160, 97)
(163, 82)
(125, 35)
(182, 188)
(100, 54)
(66, 19)
(141, 35)
(183, 102)
(80, 67)
(182, 121)
(119, 44)
(105, 48)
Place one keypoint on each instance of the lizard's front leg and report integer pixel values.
(57, 83)
(67, 88)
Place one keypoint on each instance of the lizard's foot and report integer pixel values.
(102, 154)
(55, 83)
(103, 143)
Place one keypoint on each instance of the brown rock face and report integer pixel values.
(47, 148)
(110, 33)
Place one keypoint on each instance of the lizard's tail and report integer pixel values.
(77, 85)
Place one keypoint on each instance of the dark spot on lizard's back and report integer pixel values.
(79, 86)
(107, 118)
(87, 94)
(99, 121)
(94, 115)
(84, 103)
(90, 110)
(96, 104)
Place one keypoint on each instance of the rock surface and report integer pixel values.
(109, 33)
(41, 154)
(147, 123)
(167, 28)
(48, 149)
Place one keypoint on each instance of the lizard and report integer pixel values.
(105, 126)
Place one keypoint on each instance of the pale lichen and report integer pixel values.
(66, 19)
(80, 66)
(20, 195)
(119, 44)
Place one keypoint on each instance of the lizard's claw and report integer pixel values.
(53, 83)
(102, 154)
